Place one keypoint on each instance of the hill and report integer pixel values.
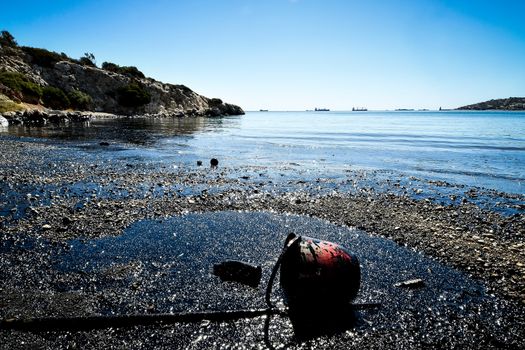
(507, 104)
(38, 79)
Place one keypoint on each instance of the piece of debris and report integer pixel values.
(238, 271)
(66, 220)
(412, 284)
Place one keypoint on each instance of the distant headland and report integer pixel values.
(39, 83)
(506, 104)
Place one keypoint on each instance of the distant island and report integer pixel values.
(42, 83)
(506, 104)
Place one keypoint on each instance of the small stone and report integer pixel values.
(66, 220)
(46, 227)
(199, 162)
(214, 162)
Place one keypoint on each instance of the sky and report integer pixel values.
(296, 54)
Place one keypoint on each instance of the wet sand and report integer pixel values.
(51, 196)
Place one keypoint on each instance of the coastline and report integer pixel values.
(42, 116)
(51, 187)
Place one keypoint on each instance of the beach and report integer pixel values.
(59, 198)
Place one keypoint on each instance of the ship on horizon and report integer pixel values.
(359, 109)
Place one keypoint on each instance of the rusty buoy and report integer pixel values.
(315, 270)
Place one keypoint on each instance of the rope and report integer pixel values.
(291, 239)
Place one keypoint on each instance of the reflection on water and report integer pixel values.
(139, 131)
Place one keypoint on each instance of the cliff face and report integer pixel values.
(507, 104)
(106, 91)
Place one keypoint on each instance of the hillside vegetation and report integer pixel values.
(506, 104)
(39, 78)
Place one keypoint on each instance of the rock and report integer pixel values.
(214, 162)
(46, 227)
(199, 162)
(3, 122)
(103, 143)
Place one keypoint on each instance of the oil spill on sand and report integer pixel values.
(167, 266)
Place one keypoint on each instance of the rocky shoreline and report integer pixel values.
(44, 116)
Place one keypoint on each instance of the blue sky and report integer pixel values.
(297, 54)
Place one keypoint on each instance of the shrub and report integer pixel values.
(133, 95)
(215, 102)
(129, 71)
(79, 100)
(6, 105)
(111, 67)
(9, 106)
(20, 83)
(43, 57)
(55, 98)
(185, 90)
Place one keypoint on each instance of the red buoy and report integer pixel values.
(314, 271)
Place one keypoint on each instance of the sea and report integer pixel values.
(468, 148)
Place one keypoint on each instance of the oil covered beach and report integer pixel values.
(115, 216)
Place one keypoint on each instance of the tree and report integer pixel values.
(88, 59)
(7, 40)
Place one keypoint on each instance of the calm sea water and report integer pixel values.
(485, 149)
